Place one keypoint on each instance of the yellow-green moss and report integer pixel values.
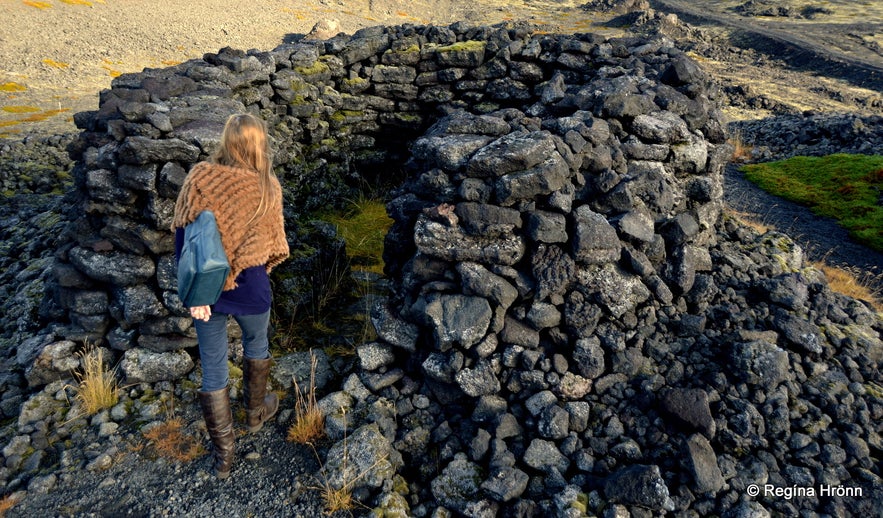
(874, 390)
(409, 117)
(354, 81)
(315, 69)
(464, 46)
(414, 48)
(343, 115)
(581, 504)
(299, 85)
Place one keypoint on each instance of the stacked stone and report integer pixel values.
(528, 250)
(569, 319)
(811, 134)
(573, 330)
(336, 109)
(34, 165)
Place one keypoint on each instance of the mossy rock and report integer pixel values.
(354, 85)
(316, 72)
(464, 46)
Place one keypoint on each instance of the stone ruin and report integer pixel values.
(574, 327)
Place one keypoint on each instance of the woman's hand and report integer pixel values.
(201, 312)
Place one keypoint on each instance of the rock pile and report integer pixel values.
(575, 327)
(811, 134)
(336, 109)
(35, 165)
(572, 330)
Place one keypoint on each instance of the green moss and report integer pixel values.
(363, 226)
(581, 504)
(302, 252)
(149, 396)
(411, 49)
(298, 85)
(400, 485)
(486, 107)
(464, 46)
(235, 371)
(298, 100)
(356, 81)
(315, 69)
(409, 117)
(343, 115)
(874, 390)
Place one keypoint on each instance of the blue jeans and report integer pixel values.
(212, 337)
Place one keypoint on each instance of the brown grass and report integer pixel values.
(7, 503)
(97, 387)
(840, 280)
(847, 283)
(169, 441)
(741, 151)
(337, 499)
(309, 422)
(746, 220)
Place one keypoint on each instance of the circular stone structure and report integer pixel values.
(573, 326)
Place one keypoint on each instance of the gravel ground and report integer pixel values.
(271, 477)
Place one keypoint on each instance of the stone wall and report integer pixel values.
(573, 325)
(343, 111)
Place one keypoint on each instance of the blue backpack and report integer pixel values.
(203, 266)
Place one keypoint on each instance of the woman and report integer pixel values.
(238, 185)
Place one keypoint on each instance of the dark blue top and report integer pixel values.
(251, 296)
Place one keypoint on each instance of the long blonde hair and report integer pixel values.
(244, 144)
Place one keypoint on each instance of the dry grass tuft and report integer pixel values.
(168, 440)
(746, 220)
(7, 503)
(97, 387)
(337, 499)
(841, 280)
(341, 498)
(741, 151)
(309, 422)
(847, 283)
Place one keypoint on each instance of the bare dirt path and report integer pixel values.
(842, 40)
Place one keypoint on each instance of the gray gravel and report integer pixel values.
(271, 477)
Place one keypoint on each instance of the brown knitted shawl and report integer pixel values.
(233, 194)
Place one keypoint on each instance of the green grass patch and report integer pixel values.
(847, 188)
(332, 319)
(363, 226)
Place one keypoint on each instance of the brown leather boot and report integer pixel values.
(219, 422)
(260, 405)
